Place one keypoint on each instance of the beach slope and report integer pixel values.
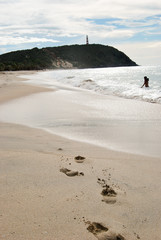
(53, 188)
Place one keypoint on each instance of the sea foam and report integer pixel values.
(121, 81)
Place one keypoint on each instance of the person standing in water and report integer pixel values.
(146, 82)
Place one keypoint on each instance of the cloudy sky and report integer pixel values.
(133, 27)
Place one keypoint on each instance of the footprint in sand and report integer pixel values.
(101, 232)
(71, 173)
(79, 159)
(60, 149)
(108, 193)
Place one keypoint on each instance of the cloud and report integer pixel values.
(52, 21)
(59, 11)
(20, 40)
(147, 53)
(155, 45)
(3, 50)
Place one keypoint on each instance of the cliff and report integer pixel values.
(64, 57)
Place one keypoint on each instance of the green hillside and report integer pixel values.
(74, 56)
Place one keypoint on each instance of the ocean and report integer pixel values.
(106, 107)
(120, 81)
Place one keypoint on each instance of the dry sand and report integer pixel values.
(48, 194)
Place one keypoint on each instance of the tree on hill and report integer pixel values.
(74, 56)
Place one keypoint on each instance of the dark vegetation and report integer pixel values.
(74, 56)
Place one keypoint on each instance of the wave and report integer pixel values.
(124, 82)
(130, 92)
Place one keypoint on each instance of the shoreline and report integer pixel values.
(118, 124)
(12, 86)
(40, 200)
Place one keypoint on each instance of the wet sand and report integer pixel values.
(111, 122)
(49, 192)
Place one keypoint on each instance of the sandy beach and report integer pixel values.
(53, 188)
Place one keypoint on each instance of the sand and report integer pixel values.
(53, 188)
